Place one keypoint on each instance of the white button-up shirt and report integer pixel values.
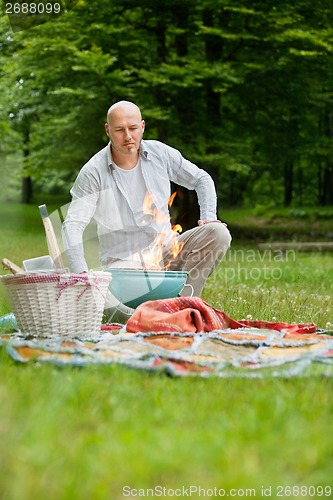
(98, 194)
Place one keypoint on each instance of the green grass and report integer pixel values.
(69, 433)
(271, 223)
(292, 287)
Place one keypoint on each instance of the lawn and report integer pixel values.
(267, 223)
(106, 432)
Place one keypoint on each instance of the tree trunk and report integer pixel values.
(288, 183)
(328, 170)
(160, 95)
(186, 209)
(328, 186)
(26, 194)
(213, 50)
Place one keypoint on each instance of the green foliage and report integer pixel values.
(244, 90)
(10, 177)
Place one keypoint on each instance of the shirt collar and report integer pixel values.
(142, 152)
(109, 156)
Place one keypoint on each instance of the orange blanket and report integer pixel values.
(193, 314)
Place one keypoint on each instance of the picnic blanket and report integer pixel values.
(193, 314)
(184, 337)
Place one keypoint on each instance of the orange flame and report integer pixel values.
(150, 209)
(177, 228)
(156, 251)
(172, 197)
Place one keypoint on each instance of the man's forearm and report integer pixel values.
(73, 244)
(207, 199)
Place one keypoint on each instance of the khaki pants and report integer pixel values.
(204, 248)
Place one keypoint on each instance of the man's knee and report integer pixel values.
(219, 233)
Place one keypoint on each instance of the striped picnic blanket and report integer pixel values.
(184, 337)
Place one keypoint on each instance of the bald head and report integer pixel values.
(123, 107)
(124, 128)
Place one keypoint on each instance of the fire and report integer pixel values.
(177, 227)
(150, 209)
(172, 197)
(154, 258)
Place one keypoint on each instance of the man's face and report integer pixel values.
(125, 128)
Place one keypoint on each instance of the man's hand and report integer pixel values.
(203, 222)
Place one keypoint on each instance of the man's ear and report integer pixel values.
(107, 129)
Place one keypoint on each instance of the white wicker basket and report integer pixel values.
(64, 304)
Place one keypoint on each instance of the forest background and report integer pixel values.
(243, 89)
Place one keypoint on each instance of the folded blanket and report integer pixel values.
(193, 314)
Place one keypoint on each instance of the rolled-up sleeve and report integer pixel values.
(189, 175)
(80, 212)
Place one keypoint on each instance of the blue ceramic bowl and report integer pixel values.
(132, 287)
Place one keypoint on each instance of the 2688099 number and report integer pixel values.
(303, 491)
(33, 8)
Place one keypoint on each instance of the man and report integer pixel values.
(125, 188)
